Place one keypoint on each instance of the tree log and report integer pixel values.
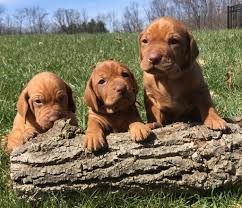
(178, 157)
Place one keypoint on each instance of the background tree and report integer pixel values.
(36, 18)
(113, 22)
(67, 20)
(132, 21)
(2, 10)
(8, 26)
(19, 18)
(84, 15)
(159, 8)
(195, 12)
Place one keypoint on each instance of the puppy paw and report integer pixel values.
(215, 122)
(139, 131)
(94, 141)
(29, 134)
(154, 125)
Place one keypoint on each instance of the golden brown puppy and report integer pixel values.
(45, 99)
(111, 95)
(174, 87)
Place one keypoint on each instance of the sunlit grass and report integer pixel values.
(73, 57)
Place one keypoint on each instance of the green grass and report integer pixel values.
(73, 57)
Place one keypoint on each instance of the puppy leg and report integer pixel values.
(94, 138)
(209, 115)
(12, 140)
(155, 117)
(17, 138)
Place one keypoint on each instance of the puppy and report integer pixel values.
(174, 87)
(45, 99)
(111, 95)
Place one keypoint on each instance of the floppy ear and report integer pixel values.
(139, 44)
(134, 83)
(90, 97)
(22, 104)
(193, 49)
(71, 102)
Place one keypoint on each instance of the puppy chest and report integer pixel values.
(176, 102)
(117, 123)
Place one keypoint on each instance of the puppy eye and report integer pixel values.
(38, 102)
(145, 40)
(61, 99)
(173, 41)
(101, 81)
(125, 74)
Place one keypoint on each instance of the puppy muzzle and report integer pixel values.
(46, 121)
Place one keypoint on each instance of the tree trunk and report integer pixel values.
(178, 157)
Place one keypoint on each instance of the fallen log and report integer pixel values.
(178, 157)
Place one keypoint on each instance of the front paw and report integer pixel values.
(29, 134)
(213, 121)
(154, 125)
(139, 131)
(94, 141)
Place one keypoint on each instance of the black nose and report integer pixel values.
(155, 58)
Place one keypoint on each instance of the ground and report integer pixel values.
(73, 57)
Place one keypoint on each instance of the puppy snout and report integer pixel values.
(54, 117)
(155, 58)
(120, 88)
(51, 118)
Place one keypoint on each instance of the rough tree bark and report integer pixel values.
(180, 157)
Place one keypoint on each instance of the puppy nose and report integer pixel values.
(155, 58)
(55, 116)
(120, 88)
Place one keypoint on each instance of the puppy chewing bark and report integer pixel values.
(45, 99)
(174, 87)
(111, 95)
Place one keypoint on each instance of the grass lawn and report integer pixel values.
(73, 57)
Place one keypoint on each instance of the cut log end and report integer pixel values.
(179, 157)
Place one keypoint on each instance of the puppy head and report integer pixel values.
(111, 88)
(166, 48)
(45, 99)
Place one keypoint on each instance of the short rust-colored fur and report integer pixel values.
(111, 95)
(45, 99)
(174, 87)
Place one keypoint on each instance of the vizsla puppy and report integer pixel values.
(174, 87)
(111, 95)
(45, 99)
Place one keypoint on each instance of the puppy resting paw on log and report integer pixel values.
(45, 99)
(111, 95)
(174, 87)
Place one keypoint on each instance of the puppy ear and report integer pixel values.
(22, 104)
(139, 43)
(71, 102)
(135, 85)
(90, 97)
(193, 49)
